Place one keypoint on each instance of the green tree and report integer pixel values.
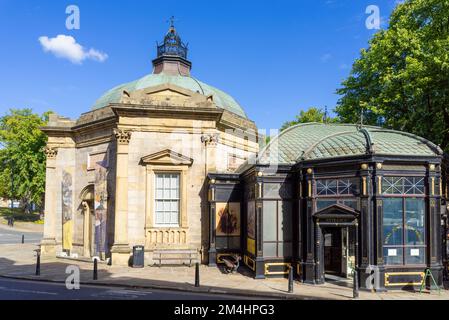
(402, 80)
(22, 156)
(313, 114)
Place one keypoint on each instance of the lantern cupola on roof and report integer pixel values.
(172, 54)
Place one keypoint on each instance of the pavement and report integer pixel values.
(17, 262)
(14, 235)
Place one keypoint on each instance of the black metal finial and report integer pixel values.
(325, 114)
(172, 21)
(172, 45)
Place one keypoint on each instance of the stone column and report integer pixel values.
(48, 244)
(121, 250)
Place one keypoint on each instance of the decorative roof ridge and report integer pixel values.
(313, 147)
(369, 140)
(427, 142)
(282, 133)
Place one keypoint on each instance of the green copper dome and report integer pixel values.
(313, 141)
(221, 99)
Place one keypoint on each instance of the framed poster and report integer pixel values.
(228, 219)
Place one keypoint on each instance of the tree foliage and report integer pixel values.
(313, 114)
(402, 80)
(22, 158)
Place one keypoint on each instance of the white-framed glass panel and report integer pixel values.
(403, 186)
(404, 231)
(167, 200)
(337, 187)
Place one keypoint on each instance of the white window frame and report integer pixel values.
(156, 200)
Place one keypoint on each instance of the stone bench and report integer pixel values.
(175, 257)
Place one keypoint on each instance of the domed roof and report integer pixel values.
(313, 141)
(221, 99)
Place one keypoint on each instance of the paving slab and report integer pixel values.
(18, 261)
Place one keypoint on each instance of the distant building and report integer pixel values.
(5, 203)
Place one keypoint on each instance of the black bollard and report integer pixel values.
(355, 293)
(95, 269)
(290, 280)
(38, 264)
(23, 238)
(197, 275)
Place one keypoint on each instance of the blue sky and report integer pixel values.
(275, 57)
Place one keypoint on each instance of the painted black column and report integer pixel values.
(434, 227)
(260, 264)
(366, 245)
(379, 276)
(299, 229)
(309, 265)
(319, 254)
(212, 224)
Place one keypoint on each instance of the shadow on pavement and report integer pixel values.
(56, 272)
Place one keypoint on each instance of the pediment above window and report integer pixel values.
(337, 211)
(168, 158)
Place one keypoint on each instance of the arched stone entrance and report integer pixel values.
(333, 227)
(88, 200)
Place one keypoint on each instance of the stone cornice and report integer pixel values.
(129, 110)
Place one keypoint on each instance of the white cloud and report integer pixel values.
(66, 47)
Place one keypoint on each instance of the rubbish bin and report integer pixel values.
(138, 257)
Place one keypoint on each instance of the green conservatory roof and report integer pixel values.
(326, 141)
(222, 99)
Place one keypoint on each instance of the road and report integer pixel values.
(10, 236)
(34, 290)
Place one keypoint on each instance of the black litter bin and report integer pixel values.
(138, 257)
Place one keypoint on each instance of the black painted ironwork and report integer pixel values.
(95, 276)
(290, 280)
(197, 275)
(172, 45)
(38, 263)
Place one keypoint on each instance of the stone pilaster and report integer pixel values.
(48, 244)
(211, 142)
(121, 250)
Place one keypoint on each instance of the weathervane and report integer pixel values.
(172, 21)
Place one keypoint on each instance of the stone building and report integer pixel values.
(173, 164)
(133, 170)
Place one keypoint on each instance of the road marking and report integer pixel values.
(120, 294)
(27, 291)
